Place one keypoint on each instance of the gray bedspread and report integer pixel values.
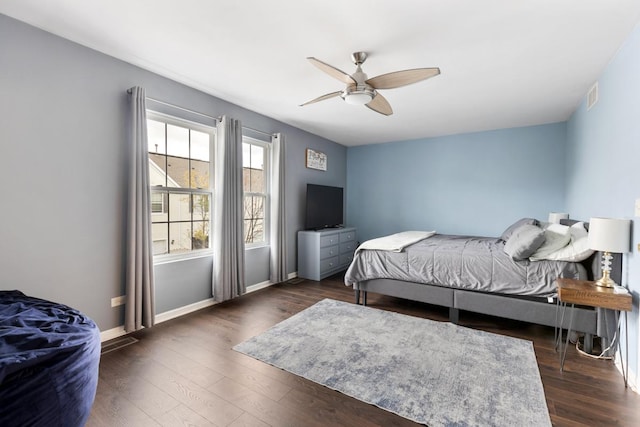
(473, 263)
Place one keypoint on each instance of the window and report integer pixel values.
(181, 173)
(256, 188)
(158, 203)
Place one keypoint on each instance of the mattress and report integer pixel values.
(49, 357)
(464, 262)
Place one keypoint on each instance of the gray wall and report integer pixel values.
(62, 167)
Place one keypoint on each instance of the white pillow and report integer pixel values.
(577, 250)
(556, 237)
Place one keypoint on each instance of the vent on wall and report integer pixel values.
(592, 96)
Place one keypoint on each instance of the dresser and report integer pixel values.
(325, 252)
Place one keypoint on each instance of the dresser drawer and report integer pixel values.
(346, 258)
(347, 236)
(329, 264)
(331, 240)
(347, 247)
(329, 251)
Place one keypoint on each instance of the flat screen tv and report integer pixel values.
(324, 207)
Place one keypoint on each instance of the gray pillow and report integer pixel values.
(509, 231)
(524, 241)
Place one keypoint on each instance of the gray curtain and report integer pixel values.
(278, 250)
(228, 236)
(139, 286)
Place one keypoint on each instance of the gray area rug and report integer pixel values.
(434, 373)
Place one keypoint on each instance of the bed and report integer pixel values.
(510, 276)
(49, 357)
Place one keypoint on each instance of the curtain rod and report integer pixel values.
(183, 109)
(217, 119)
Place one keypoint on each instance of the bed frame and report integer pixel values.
(587, 320)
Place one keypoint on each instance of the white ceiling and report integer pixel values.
(504, 63)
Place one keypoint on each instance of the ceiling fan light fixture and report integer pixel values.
(358, 97)
(362, 90)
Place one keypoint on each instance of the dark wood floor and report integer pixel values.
(183, 372)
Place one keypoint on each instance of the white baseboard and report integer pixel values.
(110, 334)
(181, 311)
(117, 332)
(259, 286)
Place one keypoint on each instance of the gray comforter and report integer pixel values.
(473, 263)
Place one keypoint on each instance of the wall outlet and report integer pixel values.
(637, 210)
(116, 301)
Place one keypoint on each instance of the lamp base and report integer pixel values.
(606, 282)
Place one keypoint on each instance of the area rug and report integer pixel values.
(433, 373)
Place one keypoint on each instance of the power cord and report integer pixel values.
(603, 352)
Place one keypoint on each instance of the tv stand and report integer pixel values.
(325, 252)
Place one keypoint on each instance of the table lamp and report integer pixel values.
(608, 235)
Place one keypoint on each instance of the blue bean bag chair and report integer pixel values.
(49, 357)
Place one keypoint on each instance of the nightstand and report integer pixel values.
(583, 292)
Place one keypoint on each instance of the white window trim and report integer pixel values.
(197, 253)
(267, 208)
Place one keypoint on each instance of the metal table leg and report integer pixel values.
(555, 329)
(623, 362)
(558, 329)
(566, 345)
(626, 349)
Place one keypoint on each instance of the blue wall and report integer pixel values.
(474, 184)
(479, 183)
(603, 162)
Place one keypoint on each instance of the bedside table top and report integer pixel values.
(585, 292)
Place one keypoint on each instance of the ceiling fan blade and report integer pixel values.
(322, 98)
(402, 78)
(380, 105)
(333, 71)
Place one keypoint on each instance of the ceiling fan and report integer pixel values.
(362, 90)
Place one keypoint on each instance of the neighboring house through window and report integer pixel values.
(181, 174)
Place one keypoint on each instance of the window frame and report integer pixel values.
(166, 191)
(163, 203)
(267, 194)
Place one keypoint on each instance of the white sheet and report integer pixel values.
(395, 242)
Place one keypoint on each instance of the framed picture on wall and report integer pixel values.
(316, 160)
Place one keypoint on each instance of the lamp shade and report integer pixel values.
(555, 217)
(609, 234)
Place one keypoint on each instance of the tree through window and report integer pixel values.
(255, 183)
